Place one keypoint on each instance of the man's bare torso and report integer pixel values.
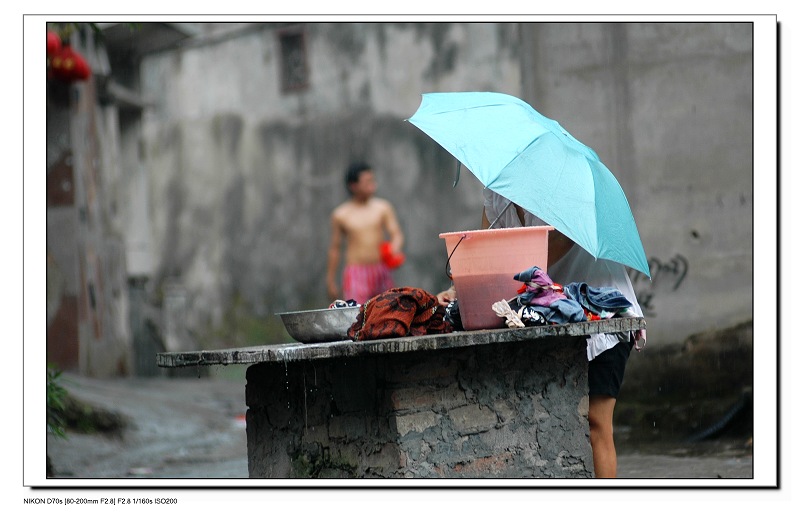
(363, 228)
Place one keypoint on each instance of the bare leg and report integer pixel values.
(601, 435)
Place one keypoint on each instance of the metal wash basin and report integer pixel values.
(326, 325)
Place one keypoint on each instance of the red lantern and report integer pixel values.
(53, 43)
(68, 65)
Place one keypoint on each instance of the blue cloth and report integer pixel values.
(562, 311)
(597, 299)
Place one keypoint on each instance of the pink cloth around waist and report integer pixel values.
(363, 282)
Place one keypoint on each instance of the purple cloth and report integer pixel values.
(538, 288)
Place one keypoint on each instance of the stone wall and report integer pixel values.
(511, 410)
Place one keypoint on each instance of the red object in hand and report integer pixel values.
(68, 65)
(53, 43)
(391, 260)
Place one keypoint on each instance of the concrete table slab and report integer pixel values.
(299, 351)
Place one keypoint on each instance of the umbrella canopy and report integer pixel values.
(535, 163)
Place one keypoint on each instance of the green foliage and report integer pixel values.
(65, 29)
(56, 403)
(65, 413)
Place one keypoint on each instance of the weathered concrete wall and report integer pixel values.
(88, 326)
(668, 107)
(243, 176)
(510, 410)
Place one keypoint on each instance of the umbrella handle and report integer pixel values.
(499, 215)
(447, 265)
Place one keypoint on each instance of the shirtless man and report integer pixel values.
(363, 222)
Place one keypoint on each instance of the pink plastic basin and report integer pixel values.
(483, 264)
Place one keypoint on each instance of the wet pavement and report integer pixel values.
(176, 428)
(193, 428)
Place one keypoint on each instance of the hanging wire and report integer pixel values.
(447, 265)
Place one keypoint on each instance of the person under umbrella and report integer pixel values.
(532, 163)
(607, 353)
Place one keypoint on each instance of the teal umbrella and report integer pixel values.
(535, 163)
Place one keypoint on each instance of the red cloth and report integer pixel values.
(391, 260)
(399, 312)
